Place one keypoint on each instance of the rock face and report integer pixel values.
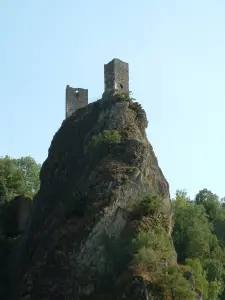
(99, 168)
(13, 218)
(14, 215)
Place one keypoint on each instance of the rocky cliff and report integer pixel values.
(13, 217)
(100, 225)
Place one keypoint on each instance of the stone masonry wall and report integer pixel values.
(116, 75)
(75, 98)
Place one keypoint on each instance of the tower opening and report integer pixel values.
(77, 93)
(75, 98)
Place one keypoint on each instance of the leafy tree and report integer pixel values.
(214, 269)
(201, 282)
(177, 285)
(215, 290)
(210, 202)
(192, 230)
(199, 235)
(10, 178)
(18, 176)
(30, 169)
(215, 210)
(152, 249)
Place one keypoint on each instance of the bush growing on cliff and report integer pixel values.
(149, 205)
(154, 209)
(175, 285)
(107, 137)
(152, 252)
(154, 241)
(125, 96)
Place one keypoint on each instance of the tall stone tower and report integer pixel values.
(75, 98)
(116, 76)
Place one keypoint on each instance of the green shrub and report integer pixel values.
(175, 285)
(149, 205)
(214, 269)
(107, 137)
(125, 96)
(199, 275)
(155, 238)
(138, 106)
(215, 289)
(133, 105)
(148, 263)
(129, 170)
(151, 250)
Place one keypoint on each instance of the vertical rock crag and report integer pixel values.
(91, 205)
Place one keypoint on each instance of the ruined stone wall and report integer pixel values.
(116, 75)
(75, 98)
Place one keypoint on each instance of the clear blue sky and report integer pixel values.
(176, 53)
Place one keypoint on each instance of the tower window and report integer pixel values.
(121, 86)
(77, 93)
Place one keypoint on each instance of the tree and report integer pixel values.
(30, 169)
(192, 230)
(210, 202)
(215, 209)
(199, 238)
(18, 176)
(199, 275)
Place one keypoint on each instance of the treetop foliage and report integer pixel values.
(18, 176)
(199, 239)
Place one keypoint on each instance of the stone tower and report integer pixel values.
(116, 76)
(75, 98)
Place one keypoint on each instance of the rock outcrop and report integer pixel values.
(14, 215)
(13, 218)
(101, 190)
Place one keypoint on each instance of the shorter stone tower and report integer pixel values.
(116, 76)
(75, 98)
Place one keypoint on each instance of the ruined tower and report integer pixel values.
(75, 98)
(116, 76)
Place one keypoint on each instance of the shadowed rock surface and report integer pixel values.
(15, 215)
(89, 197)
(13, 219)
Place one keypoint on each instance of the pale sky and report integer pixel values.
(176, 55)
